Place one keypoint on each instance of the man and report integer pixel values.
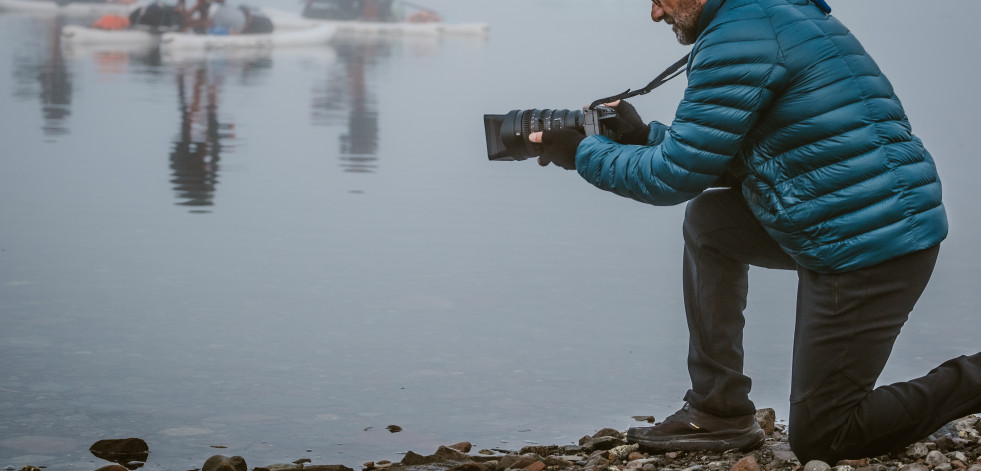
(817, 171)
(227, 19)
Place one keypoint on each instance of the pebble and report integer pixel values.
(935, 458)
(816, 465)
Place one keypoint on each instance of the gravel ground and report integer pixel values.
(955, 447)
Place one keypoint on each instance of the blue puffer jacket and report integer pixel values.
(783, 97)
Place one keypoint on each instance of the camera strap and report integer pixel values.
(671, 72)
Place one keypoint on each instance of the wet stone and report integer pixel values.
(112, 467)
(225, 463)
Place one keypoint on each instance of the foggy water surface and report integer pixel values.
(283, 253)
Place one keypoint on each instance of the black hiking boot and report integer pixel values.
(692, 430)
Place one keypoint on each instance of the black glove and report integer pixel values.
(632, 129)
(559, 147)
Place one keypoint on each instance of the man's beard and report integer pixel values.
(685, 22)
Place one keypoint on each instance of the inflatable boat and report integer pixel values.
(289, 20)
(67, 8)
(312, 35)
(131, 37)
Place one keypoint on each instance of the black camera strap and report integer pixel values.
(671, 72)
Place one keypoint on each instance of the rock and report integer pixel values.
(468, 467)
(539, 450)
(607, 432)
(121, 450)
(782, 452)
(601, 443)
(935, 458)
(120, 446)
(394, 428)
(816, 465)
(644, 418)
(562, 460)
(516, 461)
(914, 467)
(462, 446)
(597, 461)
(224, 463)
(917, 450)
(412, 458)
(444, 454)
(324, 467)
(767, 418)
(277, 467)
(621, 452)
(113, 467)
(536, 466)
(748, 463)
(855, 463)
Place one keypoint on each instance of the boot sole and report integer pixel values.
(743, 440)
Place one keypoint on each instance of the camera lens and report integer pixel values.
(517, 125)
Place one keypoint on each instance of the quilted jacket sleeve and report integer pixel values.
(731, 81)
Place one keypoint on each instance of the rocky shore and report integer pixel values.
(955, 447)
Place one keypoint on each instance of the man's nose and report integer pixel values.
(657, 13)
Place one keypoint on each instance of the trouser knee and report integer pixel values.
(807, 439)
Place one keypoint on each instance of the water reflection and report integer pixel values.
(204, 133)
(348, 99)
(47, 75)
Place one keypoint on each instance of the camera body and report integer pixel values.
(507, 135)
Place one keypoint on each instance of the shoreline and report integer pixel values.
(955, 447)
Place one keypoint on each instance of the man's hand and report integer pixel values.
(558, 147)
(633, 129)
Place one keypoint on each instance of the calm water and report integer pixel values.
(284, 253)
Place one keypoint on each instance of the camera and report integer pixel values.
(507, 135)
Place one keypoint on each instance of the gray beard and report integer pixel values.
(686, 23)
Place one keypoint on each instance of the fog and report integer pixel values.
(282, 253)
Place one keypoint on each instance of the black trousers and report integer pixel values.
(846, 326)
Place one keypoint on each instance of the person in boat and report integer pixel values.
(157, 16)
(218, 17)
(195, 18)
(792, 152)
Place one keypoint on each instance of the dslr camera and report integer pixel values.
(507, 135)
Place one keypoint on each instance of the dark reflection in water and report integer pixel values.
(48, 71)
(348, 99)
(204, 133)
